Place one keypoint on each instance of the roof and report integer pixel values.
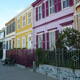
(10, 21)
(36, 2)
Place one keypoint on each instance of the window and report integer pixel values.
(24, 20)
(12, 45)
(51, 6)
(6, 30)
(51, 40)
(1, 35)
(13, 26)
(10, 27)
(6, 44)
(29, 18)
(65, 3)
(18, 23)
(18, 43)
(40, 41)
(29, 41)
(23, 42)
(40, 12)
(9, 44)
(77, 1)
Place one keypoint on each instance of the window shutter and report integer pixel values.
(43, 41)
(47, 9)
(43, 10)
(56, 34)
(71, 2)
(55, 7)
(47, 35)
(36, 41)
(37, 14)
(59, 5)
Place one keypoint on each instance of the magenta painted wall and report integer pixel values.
(53, 21)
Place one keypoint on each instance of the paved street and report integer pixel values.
(17, 73)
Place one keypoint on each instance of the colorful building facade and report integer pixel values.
(10, 34)
(24, 29)
(50, 17)
(77, 15)
(2, 35)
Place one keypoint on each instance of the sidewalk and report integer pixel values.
(17, 73)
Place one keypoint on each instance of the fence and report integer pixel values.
(22, 56)
(64, 64)
(60, 58)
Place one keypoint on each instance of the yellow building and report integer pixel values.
(24, 29)
(77, 14)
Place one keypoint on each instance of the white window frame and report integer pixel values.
(63, 4)
(23, 42)
(52, 47)
(12, 44)
(18, 43)
(24, 20)
(51, 7)
(18, 23)
(77, 1)
(40, 42)
(1, 35)
(29, 20)
(40, 12)
(29, 41)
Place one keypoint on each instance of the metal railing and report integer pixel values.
(61, 58)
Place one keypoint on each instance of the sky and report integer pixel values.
(10, 8)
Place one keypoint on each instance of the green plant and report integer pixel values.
(39, 54)
(42, 56)
(68, 37)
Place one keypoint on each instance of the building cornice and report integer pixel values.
(36, 2)
(9, 22)
(71, 14)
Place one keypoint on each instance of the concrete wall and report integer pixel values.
(59, 72)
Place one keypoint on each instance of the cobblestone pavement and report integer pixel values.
(17, 73)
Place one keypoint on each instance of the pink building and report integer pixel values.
(49, 17)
